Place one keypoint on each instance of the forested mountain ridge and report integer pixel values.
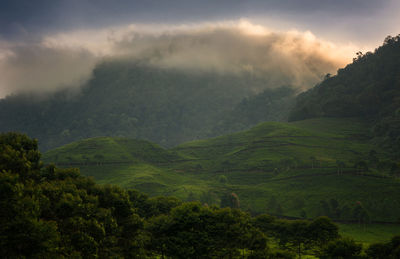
(171, 106)
(130, 99)
(368, 88)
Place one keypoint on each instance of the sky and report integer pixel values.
(46, 45)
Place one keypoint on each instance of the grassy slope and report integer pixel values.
(372, 233)
(270, 161)
(255, 164)
(108, 150)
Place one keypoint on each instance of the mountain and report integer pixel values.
(269, 105)
(368, 88)
(166, 106)
(308, 168)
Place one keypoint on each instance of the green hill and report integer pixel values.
(269, 145)
(107, 150)
(301, 169)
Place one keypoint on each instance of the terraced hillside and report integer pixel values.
(299, 169)
(270, 145)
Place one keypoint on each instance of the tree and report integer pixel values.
(335, 210)
(341, 248)
(208, 197)
(230, 200)
(321, 231)
(313, 161)
(303, 214)
(390, 250)
(257, 244)
(325, 208)
(19, 155)
(302, 235)
(22, 232)
(361, 214)
(340, 165)
(159, 229)
(297, 236)
(191, 197)
(361, 166)
(194, 231)
(222, 179)
(395, 169)
(292, 235)
(265, 223)
(378, 251)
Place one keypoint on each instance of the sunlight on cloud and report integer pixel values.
(252, 29)
(67, 59)
(39, 68)
(282, 58)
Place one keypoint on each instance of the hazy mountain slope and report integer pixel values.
(281, 168)
(269, 105)
(368, 88)
(127, 99)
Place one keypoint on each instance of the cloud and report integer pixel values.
(66, 60)
(280, 58)
(39, 68)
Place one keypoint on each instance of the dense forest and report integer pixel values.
(367, 88)
(52, 212)
(130, 99)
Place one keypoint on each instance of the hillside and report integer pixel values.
(368, 88)
(50, 212)
(130, 99)
(106, 150)
(299, 169)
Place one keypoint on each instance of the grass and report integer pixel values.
(371, 233)
(106, 150)
(293, 164)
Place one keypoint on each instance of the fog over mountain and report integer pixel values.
(66, 60)
(176, 72)
(50, 45)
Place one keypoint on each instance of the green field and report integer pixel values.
(285, 169)
(371, 233)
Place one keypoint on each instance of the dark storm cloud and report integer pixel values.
(22, 17)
